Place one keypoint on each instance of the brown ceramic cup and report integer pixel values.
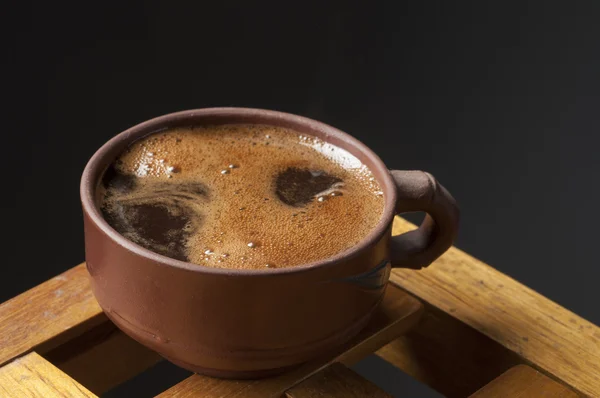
(252, 323)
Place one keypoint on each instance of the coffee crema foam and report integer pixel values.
(240, 196)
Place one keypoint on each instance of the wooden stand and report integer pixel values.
(459, 326)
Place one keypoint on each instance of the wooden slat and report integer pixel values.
(336, 381)
(61, 320)
(33, 376)
(515, 322)
(397, 313)
(524, 382)
(48, 314)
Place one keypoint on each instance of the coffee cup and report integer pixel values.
(246, 323)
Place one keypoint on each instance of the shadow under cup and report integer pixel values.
(253, 323)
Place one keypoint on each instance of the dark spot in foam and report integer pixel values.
(114, 180)
(297, 187)
(161, 219)
(161, 228)
(153, 226)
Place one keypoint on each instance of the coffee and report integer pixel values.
(240, 196)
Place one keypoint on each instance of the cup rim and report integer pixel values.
(97, 164)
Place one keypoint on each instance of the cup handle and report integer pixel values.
(420, 191)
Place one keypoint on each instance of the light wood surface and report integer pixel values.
(336, 381)
(48, 314)
(504, 323)
(524, 382)
(398, 313)
(33, 376)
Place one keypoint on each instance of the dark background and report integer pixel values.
(499, 100)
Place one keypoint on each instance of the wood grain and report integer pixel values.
(48, 314)
(33, 376)
(336, 381)
(61, 320)
(524, 382)
(397, 313)
(521, 324)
